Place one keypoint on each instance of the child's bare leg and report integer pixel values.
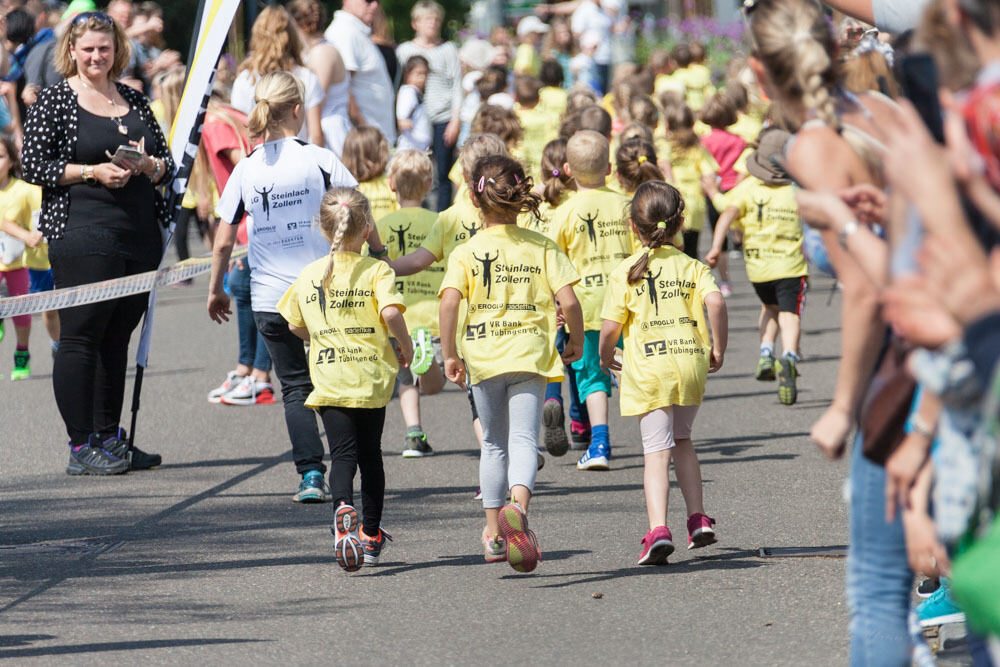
(656, 486)
(492, 521)
(432, 381)
(791, 332)
(768, 324)
(597, 408)
(50, 318)
(520, 495)
(688, 474)
(723, 267)
(409, 403)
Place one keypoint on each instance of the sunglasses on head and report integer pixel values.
(85, 17)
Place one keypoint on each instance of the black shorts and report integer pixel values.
(788, 294)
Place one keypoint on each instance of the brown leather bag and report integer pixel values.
(887, 405)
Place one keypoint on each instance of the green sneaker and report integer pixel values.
(787, 372)
(417, 446)
(423, 351)
(22, 365)
(1, 330)
(765, 368)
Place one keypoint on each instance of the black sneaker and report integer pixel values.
(417, 446)
(117, 446)
(92, 459)
(556, 442)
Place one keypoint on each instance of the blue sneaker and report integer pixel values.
(939, 608)
(313, 489)
(596, 458)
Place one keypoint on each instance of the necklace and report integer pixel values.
(122, 128)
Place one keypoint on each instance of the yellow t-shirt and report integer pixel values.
(403, 232)
(772, 230)
(527, 60)
(689, 165)
(747, 127)
(380, 196)
(351, 362)
(539, 129)
(553, 99)
(665, 82)
(455, 175)
(543, 224)
(36, 258)
(667, 343)
(455, 225)
(15, 207)
(509, 276)
(592, 229)
(697, 80)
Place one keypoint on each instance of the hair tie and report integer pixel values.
(642, 158)
(345, 204)
(661, 225)
(482, 183)
(555, 173)
(516, 179)
(490, 180)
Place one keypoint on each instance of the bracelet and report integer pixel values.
(850, 227)
(156, 169)
(920, 427)
(83, 173)
(378, 254)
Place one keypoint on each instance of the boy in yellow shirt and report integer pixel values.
(411, 177)
(347, 306)
(592, 228)
(366, 154)
(537, 123)
(763, 206)
(552, 96)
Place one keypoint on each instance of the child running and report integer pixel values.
(511, 278)
(15, 223)
(592, 228)
(657, 299)
(410, 177)
(763, 206)
(346, 306)
(690, 162)
(366, 154)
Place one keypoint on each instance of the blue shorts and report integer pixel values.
(589, 376)
(40, 281)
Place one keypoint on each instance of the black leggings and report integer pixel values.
(88, 374)
(355, 436)
(691, 243)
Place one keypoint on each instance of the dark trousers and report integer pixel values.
(88, 373)
(444, 158)
(288, 354)
(691, 243)
(713, 217)
(355, 436)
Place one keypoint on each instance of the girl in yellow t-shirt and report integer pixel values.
(511, 278)
(366, 155)
(657, 299)
(347, 306)
(690, 162)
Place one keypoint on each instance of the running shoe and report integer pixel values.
(596, 458)
(313, 488)
(1, 329)
(91, 459)
(522, 545)
(657, 546)
(423, 351)
(346, 545)
(939, 608)
(117, 446)
(249, 392)
(373, 546)
(541, 461)
(479, 495)
(556, 442)
(579, 434)
(765, 368)
(700, 532)
(233, 379)
(726, 289)
(22, 365)
(927, 587)
(787, 372)
(494, 548)
(417, 446)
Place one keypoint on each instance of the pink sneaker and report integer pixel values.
(700, 532)
(657, 546)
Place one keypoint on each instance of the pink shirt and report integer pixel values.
(726, 148)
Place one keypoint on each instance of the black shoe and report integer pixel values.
(117, 446)
(556, 442)
(92, 459)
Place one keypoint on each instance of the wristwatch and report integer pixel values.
(88, 174)
(850, 227)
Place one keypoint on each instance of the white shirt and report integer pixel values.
(370, 83)
(410, 107)
(243, 87)
(279, 186)
(588, 16)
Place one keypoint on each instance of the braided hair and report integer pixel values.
(657, 212)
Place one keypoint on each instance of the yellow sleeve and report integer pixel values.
(288, 306)
(386, 293)
(615, 308)
(560, 270)
(707, 163)
(455, 275)
(706, 282)
(19, 210)
(434, 243)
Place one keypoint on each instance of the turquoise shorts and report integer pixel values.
(589, 376)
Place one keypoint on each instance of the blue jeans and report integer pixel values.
(253, 352)
(444, 158)
(879, 579)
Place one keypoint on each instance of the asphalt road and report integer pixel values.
(207, 559)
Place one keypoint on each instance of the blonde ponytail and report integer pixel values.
(344, 214)
(276, 95)
(814, 62)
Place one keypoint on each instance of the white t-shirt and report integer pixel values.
(588, 16)
(279, 186)
(242, 95)
(410, 107)
(898, 15)
(370, 83)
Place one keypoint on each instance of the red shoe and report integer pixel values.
(700, 532)
(250, 392)
(658, 544)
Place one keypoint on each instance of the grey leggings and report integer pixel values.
(509, 408)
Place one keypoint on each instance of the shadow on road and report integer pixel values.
(102, 647)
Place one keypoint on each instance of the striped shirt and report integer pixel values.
(443, 92)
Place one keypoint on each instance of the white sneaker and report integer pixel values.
(250, 392)
(233, 379)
